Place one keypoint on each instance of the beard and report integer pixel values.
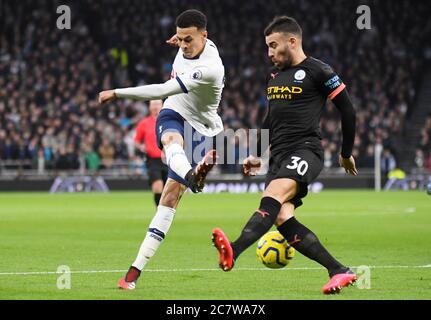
(286, 60)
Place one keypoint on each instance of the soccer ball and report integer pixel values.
(274, 251)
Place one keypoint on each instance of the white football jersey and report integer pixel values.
(202, 82)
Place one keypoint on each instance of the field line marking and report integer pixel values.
(196, 270)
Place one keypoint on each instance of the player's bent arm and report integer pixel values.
(348, 122)
(151, 92)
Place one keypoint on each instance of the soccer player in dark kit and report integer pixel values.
(298, 87)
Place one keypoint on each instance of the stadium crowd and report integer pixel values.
(423, 152)
(50, 78)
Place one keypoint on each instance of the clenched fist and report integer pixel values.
(251, 166)
(107, 96)
(173, 41)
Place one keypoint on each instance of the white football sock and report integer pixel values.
(157, 231)
(177, 159)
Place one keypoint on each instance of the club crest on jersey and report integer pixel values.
(299, 75)
(197, 75)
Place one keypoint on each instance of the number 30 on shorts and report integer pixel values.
(300, 165)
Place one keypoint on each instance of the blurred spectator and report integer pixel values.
(425, 142)
(62, 163)
(91, 158)
(39, 162)
(367, 161)
(107, 152)
(428, 162)
(396, 180)
(419, 159)
(66, 159)
(388, 162)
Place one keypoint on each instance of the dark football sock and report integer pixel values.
(157, 197)
(133, 274)
(307, 243)
(260, 222)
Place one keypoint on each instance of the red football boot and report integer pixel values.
(339, 281)
(123, 284)
(128, 282)
(222, 244)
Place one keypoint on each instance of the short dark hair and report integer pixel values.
(283, 24)
(192, 18)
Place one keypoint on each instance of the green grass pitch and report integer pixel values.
(391, 232)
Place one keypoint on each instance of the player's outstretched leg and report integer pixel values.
(307, 243)
(196, 177)
(260, 222)
(157, 231)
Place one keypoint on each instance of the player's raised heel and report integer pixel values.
(338, 282)
(222, 244)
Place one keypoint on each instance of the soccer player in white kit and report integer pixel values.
(194, 93)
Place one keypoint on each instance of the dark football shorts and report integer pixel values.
(171, 121)
(302, 166)
(157, 170)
